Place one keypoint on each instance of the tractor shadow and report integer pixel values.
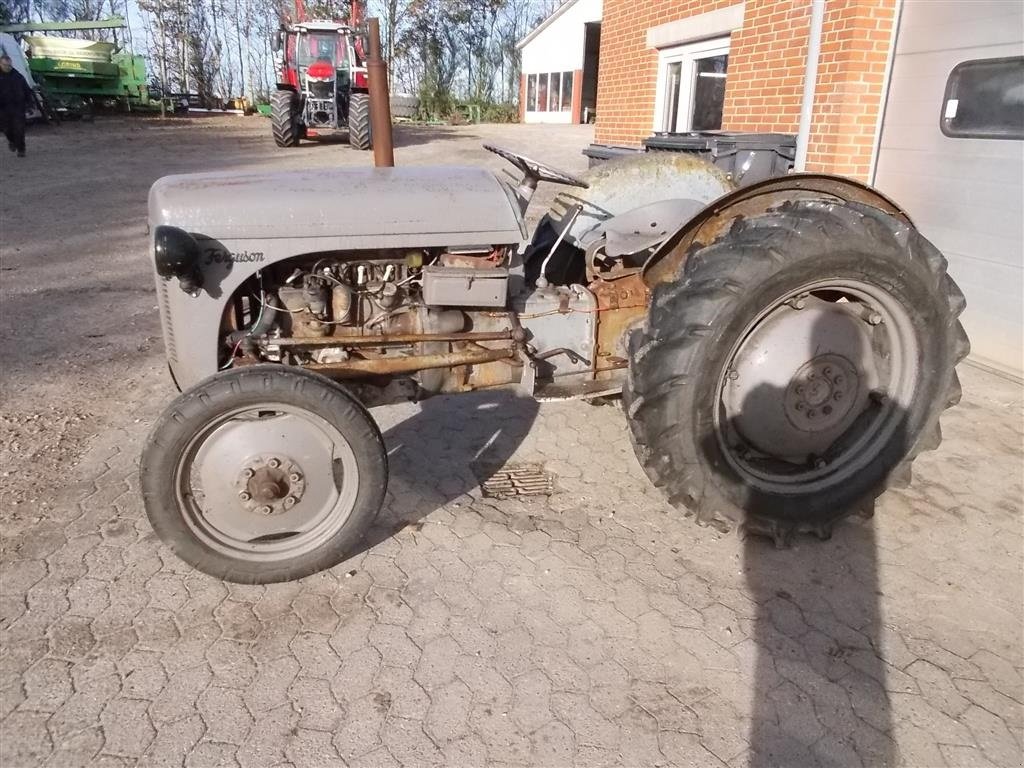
(820, 695)
(433, 453)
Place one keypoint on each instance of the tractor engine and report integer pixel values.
(436, 319)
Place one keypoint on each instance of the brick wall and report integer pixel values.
(766, 65)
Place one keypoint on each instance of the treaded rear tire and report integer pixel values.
(191, 413)
(677, 357)
(359, 132)
(284, 118)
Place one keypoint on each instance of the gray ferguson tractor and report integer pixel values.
(783, 350)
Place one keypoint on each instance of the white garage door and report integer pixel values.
(965, 193)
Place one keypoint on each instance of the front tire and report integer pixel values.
(263, 474)
(359, 131)
(795, 368)
(284, 118)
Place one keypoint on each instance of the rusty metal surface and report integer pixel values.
(393, 339)
(621, 303)
(664, 265)
(386, 366)
(380, 102)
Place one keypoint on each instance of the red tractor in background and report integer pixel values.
(322, 84)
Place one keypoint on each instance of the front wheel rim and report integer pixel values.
(267, 482)
(817, 386)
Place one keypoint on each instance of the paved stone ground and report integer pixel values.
(591, 628)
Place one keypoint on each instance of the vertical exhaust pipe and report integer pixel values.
(380, 101)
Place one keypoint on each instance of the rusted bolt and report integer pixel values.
(274, 463)
(244, 495)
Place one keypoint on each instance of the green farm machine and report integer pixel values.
(77, 75)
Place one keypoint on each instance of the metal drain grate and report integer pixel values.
(515, 480)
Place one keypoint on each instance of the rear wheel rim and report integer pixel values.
(817, 386)
(267, 482)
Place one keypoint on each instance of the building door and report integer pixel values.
(951, 152)
(691, 86)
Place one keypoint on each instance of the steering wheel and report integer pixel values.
(537, 171)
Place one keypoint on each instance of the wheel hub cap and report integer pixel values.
(821, 393)
(270, 485)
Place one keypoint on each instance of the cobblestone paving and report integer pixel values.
(594, 627)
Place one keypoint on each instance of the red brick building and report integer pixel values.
(679, 65)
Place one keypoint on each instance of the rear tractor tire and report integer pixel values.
(359, 132)
(263, 474)
(284, 118)
(795, 368)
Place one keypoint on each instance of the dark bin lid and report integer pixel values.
(726, 140)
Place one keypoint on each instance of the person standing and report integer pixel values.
(15, 98)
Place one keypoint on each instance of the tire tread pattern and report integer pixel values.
(666, 353)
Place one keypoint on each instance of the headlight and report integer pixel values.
(176, 254)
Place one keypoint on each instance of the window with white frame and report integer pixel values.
(691, 86)
(549, 92)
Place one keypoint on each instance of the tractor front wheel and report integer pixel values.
(795, 368)
(359, 136)
(263, 474)
(284, 118)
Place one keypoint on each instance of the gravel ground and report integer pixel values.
(594, 627)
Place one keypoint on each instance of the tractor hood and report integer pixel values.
(353, 208)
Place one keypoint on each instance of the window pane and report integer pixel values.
(709, 92)
(566, 91)
(531, 93)
(673, 82)
(554, 91)
(985, 99)
(542, 93)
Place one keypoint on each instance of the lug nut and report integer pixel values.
(265, 510)
(837, 396)
(800, 389)
(244, 495)
(800, 406)
(246, 473)
(274, 463)
(827, 410)
(811, 414)
(827, 371)
(838, 379)
(289, 502)
(295, 477)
